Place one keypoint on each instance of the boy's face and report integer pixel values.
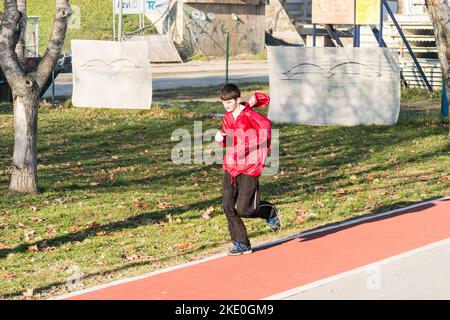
(232, 104)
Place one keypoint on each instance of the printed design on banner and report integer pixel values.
(351, 69)
(115, 67)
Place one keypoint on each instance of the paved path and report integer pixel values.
(191, 74)
(399, 254)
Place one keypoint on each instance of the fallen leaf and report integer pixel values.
(115, 157)
(298, 220)
(122, 207)
(207, 213)
(28, 293)
(93, 225)
(35, 219)
(341, 191)
(4, 247)
(28, 234)
(8, 275)
(185, 246)
(51, 231)
(33, 248)
(93, 184)
(33, 208)
(132, 257)
(169, 218)
(164, 205)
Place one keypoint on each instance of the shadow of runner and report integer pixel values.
(375, 216)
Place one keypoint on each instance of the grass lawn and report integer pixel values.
(114, 205)
(96, 20)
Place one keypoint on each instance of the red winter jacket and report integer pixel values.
(247, 138)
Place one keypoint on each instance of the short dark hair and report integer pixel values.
(230, 91)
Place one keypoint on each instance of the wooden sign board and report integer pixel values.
(368, 12)
(333, 11)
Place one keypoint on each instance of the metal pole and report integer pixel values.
(405, 41)
(143, 15)
(444, 100)
(53, 88)
(37, 37)
(314, 35)
(120, 20)
(227, 57)
(114, 19)
(380, 35)
(356, 35)
(334, 34)
(140, 14)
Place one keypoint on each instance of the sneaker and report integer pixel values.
(239, 248)
(274, 221)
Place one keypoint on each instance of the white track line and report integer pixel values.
(349, 273)
(262, 246)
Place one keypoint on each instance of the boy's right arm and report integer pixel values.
(221, 136)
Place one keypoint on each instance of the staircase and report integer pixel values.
(416, 26)
(418, 31)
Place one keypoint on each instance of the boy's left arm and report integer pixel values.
(262, 126)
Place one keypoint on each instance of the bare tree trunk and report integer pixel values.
(26, 87)
(24, 170)
(438, 10)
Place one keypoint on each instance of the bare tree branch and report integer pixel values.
(55, 46)
(20, 48)
(9, 37)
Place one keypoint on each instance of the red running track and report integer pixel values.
(294, 263)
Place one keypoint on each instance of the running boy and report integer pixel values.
(247, 135)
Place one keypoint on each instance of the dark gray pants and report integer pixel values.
(242, 200)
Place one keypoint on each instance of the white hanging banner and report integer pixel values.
(334, 86)
(109, 74)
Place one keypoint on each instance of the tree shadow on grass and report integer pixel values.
(146, 218)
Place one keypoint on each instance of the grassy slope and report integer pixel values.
(115, 205)
(96, 20)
